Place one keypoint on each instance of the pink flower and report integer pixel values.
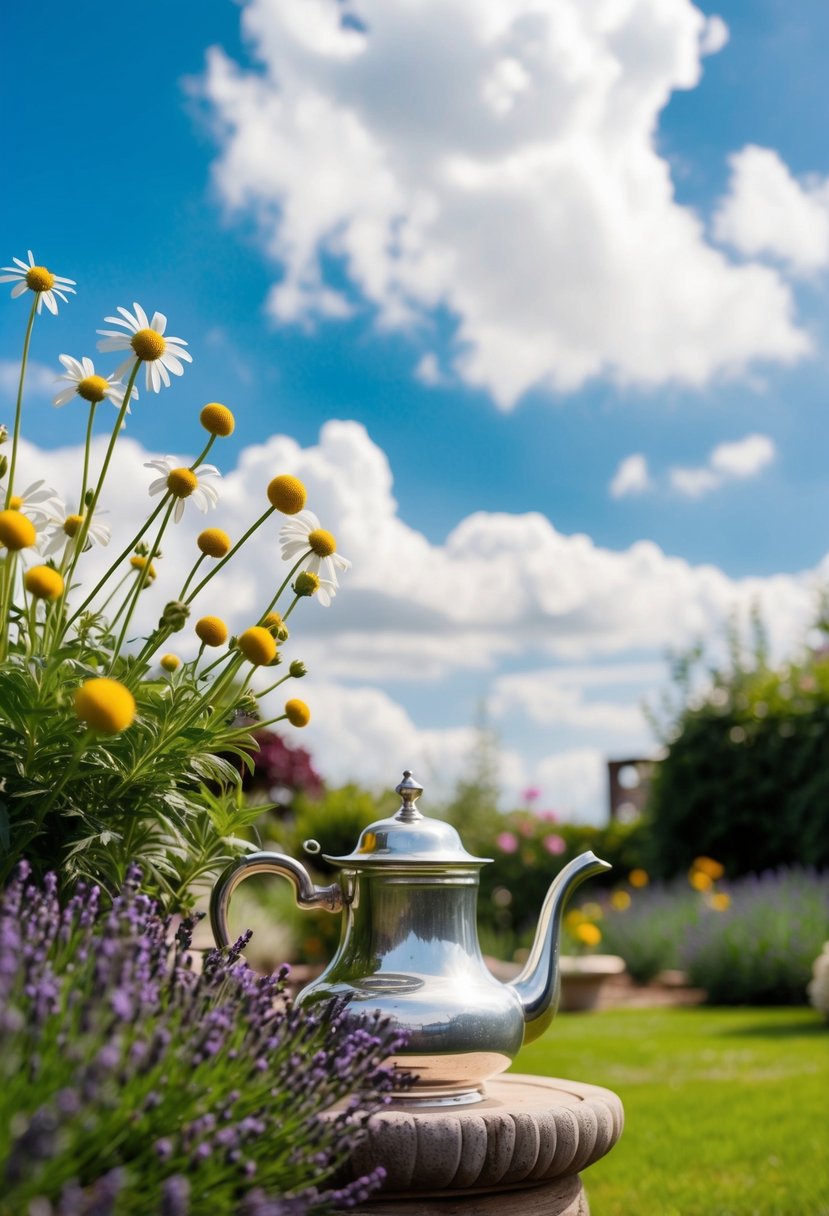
(554, 844)
(531, 793)
(507, 842)
(526, 827)
(548, 816)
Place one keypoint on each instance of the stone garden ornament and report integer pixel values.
(409, 948)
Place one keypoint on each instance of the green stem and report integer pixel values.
(46, 804)
(19, 408)
(283, 585)
(191, 576)
(143, 575)
(86, 451)
(88, 514)
(296, 600)
(5, 601)
(257, 523)
(263, 692)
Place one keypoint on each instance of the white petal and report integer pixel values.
(66, 395)
(113, 343)
(163, 373)
(49, 300)
(171, 363)
(141, 316)
(179, 511)
(31, 258)
(130, 320)
(9, 278)
(19, 289)
(159, 322)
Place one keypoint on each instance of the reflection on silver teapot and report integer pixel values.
(409, 948)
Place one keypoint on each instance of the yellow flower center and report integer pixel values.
(217, 419)
(170, 662)
(93, 388)
(214, 542)
(105, 705)
(71, 524)
(182, 482)
(257, 645)
(211, 630)
(322, 542)
(287, 494)
(297, 713)
(148, 344)
(15, 502)
(43, 582)
(307, 583)
(16, 531)
(138, 563)
(40, 279)
(274, 624)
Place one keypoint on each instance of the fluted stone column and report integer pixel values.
(519, 1151)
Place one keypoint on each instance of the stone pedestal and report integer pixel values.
(517, 1153)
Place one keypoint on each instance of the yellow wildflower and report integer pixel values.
(620, 900)
(170, 662)
(214, 542)
(638, 878)
(16, 530)
(297, 712)
(700, 881)
(43, 582)
(257, 645)
(714, 869)
(211, 630)
(588, 934)
(217, 419)
(105, 705)
(287, 494)
(720, 901)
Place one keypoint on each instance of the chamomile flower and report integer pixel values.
(84, 383)
(38, 501)
(40, 280)
(65, 525)
(302, 533)
(147, 341)
(183, 482)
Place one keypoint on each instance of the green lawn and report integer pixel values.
(726, 1110)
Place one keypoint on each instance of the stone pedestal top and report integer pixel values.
(528, 1131)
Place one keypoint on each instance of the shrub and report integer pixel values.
(746, 774)
(648, 933)
(131, 1084)
(760, 949)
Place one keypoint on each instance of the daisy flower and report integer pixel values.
(40, 280)
(66, 524)
(38, 501)
(302, 534)
(183, 482)
(83, 382)
(146, 341)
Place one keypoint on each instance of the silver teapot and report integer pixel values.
(409, 948)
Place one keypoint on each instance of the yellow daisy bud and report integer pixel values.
(638, 878)
(105, 705)
(217, 420)
(16, 531)
(700, 881)
(138, 563)
(214, 542)
(211, 630)
(297, 712)
(170, 662)
(714, 869)
(257, 645)
(44, 583)
(307, 583)
(287, 494)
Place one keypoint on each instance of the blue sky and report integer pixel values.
(572, 306)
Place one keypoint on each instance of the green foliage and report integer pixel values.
(649, 934)
(746, 774)
(723, 1108)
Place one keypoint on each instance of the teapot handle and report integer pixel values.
(307, 895)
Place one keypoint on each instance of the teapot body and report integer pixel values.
(409, 949)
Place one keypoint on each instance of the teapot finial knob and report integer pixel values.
(409, 791)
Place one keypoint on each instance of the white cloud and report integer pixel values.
(715, 35)
(745, 458)
(767, 211)
(428, 370)
(415, 621)
(631, 477)
(574, 783)
(495, 159)
(41, 380)
(728, 461)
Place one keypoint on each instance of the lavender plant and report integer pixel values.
(760, 949)
(131, 1084)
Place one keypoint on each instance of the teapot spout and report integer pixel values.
(537, 986)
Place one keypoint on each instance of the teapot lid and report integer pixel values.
(409, 836)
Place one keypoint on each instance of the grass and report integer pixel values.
(726, 1110)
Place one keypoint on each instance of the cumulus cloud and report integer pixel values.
(41, 380)
(728, 461)
(497, 162)
(767, 211)
(631, 477)
(414, 620)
